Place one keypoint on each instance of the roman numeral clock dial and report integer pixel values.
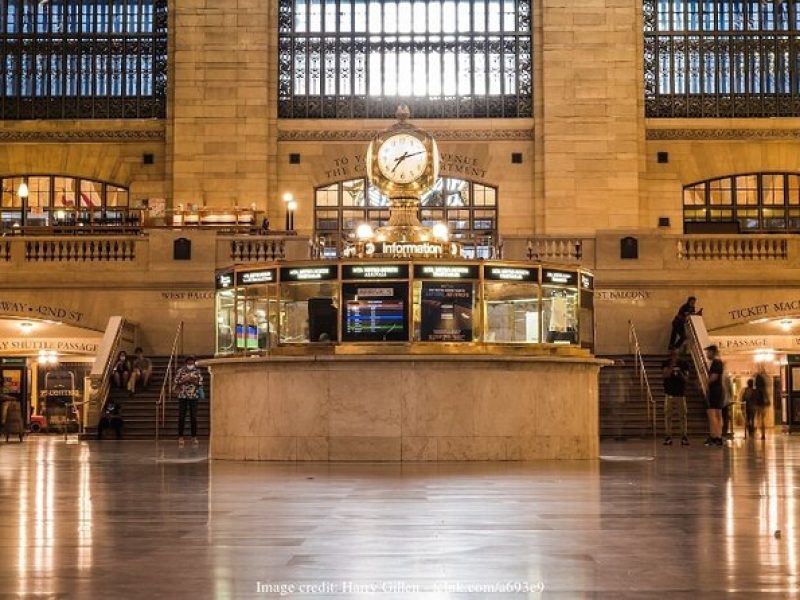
(402, 158)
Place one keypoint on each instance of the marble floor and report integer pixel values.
(126, 520)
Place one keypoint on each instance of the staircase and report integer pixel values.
(623, 409)
(139, 411)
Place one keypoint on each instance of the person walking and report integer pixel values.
(188, 387)
(727, 407)
(676, 374)
(761, 401)
(748, 400)
(678, 334)
(715, 399)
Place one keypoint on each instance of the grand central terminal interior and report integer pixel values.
(409, 298)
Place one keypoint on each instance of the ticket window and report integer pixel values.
(512, 313)
(256, 322)
(226, 302)
(444, 311)
(560, 314)
(309, 313)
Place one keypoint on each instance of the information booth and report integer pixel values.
(261, 308)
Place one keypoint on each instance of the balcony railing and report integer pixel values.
(80, 249)
(733, 248)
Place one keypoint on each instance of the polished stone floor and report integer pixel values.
(126, 520)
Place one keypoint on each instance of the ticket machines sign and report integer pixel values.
(375, 271)
(508, 273)
(565, 278)
(256, 277)
(302, 274)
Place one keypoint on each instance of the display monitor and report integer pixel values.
(375, 312)
(446, 311)
(247, 337)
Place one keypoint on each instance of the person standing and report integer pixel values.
(761, 401)
(678, 334)
(715, 398)
(676, 374)
(727, 407)
(748, 400)
(188, 386)
(141, 369)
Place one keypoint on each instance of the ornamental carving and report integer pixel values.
(107, 135)
(320, 135)
(723, 134)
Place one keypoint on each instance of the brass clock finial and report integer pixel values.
(403, 112)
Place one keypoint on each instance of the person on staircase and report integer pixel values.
(188, 387)
(678, 334)
(715, 398)
(676, 374)
(122, 370)
(141, 369)
(112, 419)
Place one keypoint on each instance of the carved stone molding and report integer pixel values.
(363, 135)
(723, 134)
(107, 135)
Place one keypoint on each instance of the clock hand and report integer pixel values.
(405, 156)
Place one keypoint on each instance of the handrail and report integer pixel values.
(641, 371)
(103, 366)
(698, 340)
(166, 386)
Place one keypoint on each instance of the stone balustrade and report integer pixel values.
(100, 249)
(5, 251)
(733, 248)
(558, 249)
(256, 249)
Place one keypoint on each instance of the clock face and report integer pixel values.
(402, 158)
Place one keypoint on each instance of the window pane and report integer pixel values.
(773, 189)
(65, 189)
(91, 194)
(417, 52)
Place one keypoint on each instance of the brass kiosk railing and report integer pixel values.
(166, 387)
(645, 390)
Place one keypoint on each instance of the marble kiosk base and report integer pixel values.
(404, 408)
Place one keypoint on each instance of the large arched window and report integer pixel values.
(444, 58)
(66, 59)
(59, 200)
(749, 203)
(468, 208)
(722, 58)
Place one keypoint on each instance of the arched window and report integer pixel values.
(60, 200)
(469, 209)
(721, 58)
(748, 203)
(444, 58)
(65, 59)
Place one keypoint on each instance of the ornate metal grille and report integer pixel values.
(444, 58)
(749, 203)
(722, 58)
(100, 59)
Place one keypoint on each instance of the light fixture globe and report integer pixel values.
(364, 232)
(440, 232)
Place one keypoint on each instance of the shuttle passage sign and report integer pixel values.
(446, 311)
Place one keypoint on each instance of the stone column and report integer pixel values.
(590, 129)
(219, 115)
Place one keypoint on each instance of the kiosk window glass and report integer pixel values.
(258, 319)
(560, 315)
(225, 321)
(444, 311)
(309, 312)
(512, 312)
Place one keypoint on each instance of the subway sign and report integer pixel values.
(500, 273)
(375, 271)
(446, 271)
(325, 273)
(255, 277)
(553, 277)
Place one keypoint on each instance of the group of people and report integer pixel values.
(719, 398)
(128, 373)
(187, 386)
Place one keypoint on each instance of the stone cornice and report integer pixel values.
(363, 135)
(99, 135)
(723, 134)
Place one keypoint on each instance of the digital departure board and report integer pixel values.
(375, 312)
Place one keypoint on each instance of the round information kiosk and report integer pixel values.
(402, 349)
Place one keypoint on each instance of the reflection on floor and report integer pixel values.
(129, 520)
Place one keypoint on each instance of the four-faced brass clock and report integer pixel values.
(403, 161)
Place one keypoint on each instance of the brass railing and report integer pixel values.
(645, 390)
(119, 332)
(166, 387)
